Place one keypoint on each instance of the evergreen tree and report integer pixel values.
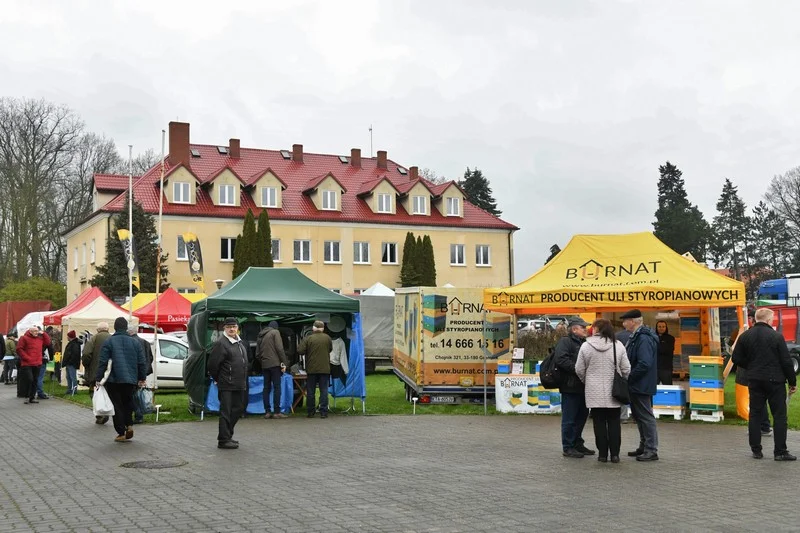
(554, 251)
(263, 241)
(112, 276)
(773, 242)
(244, 256)
(730, 236)
(478, 191)
(410, 271)
(428, 263)
(679, 224)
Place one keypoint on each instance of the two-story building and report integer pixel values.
(340, 219)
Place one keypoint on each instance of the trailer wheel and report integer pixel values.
(796, 362)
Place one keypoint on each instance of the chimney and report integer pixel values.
(179, 151)
(297, 153)
(413, 173)
(382, 159)
(355, 157)
(233, 149)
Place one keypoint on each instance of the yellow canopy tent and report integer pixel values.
(144, 298)
(613, 273)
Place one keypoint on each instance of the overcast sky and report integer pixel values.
(568, 107)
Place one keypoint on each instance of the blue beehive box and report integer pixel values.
(705, 384)
(669, 396)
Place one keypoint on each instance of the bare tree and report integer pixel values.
(140, 163)
(783, 195)
(432, 176)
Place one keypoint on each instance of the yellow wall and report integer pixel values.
(226, 178)
(346, 277)
(417, 190)
(181, 175)
(268, 180)
(78, 280)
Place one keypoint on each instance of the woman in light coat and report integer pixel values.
(595, 367)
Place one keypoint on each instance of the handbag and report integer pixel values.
(101, 402)
(619, 389)
(144, 400)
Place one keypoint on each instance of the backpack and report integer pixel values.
(549, 374)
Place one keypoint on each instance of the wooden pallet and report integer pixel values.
(680, 375)
(676, 413)
(707, 416)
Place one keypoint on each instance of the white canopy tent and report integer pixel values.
(99, 310)
(379, 289)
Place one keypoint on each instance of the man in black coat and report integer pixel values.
(133, 331)
(763, 353)
(228, 367)
(573, 401)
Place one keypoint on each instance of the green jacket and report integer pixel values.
(91, 355)
(11, 347)
(317, 348)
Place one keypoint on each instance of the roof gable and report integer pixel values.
(369, 186)
(314, 183)
(255, 178)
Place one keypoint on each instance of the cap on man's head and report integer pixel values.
(319, 324)
(120, 324)
(577, 321)
(230, 321)
(633, 313)
(273, 324)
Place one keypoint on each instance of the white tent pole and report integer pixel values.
(158, 262)
(130, 231)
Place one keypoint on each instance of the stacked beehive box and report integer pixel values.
(669, 400)
(434, 314)
(496, 334)
(706, 395)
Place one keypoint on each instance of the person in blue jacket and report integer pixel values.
(643, 354)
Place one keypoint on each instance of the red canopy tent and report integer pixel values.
(173, 311)
(84, 299)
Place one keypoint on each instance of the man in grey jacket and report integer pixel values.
(273, 365)
(228, 368)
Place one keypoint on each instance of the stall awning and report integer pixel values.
(615, 272)
(173, 308)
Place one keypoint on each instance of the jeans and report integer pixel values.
(642, 409)
(761, 393)
(40, 381)
(272, 380)
(121, 395)
(27, 381)
(607, 430)
(232, 404)
(573, 418)
(8, 369)
(72, 379)
(311, 390)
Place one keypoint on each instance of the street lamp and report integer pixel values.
(219, 283)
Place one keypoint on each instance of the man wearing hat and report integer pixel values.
(72, 360)
(273, 364)
(643, 354)
(317, 348)
(574, 412)
(228, 368)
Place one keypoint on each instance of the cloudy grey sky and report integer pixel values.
(568, 107)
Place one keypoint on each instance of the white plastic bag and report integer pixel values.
(101, 402)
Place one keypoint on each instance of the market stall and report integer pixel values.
(101, 309)
(259, 296)
(173, 311)
(610, 274)
(83, 299)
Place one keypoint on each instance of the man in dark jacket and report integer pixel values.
(71, 361)
(317, 348)
(573, 401)
(90, 359)
(133, 331)
(228, 368)
(273, 365)
(642, 351)
(128, 369)
(763, 353)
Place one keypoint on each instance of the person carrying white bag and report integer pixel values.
(128, 370)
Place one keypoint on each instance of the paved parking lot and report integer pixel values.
(61, 472)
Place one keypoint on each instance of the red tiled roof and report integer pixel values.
(297, 176)
(257, 176)
(313, 183)
(403, 188)
(222, 169)
(369, 186)
(112, 182)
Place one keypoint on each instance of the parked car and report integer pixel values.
(168, 360)
(533, 325)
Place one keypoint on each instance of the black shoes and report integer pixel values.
(310, 415)
(636, 453)
(648, 456)
(603, 459)
(758, 454)
(615, 459)
(785, 456)
(573, 453)
(584, 450)
(324, 415)
(228, 445)
(31, 401)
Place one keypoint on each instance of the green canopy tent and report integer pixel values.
(257, 294)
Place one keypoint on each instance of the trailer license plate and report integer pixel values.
(443, 399)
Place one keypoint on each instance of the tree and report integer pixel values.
(679, 224)
(35, 289)
(730, 235)
(263, 241)
(244, 255)
(783, 196)
(410, 269)
(432, 176)
(478, 191)
(428, 274)
(773, 242)
(112, 276)
(554, 251)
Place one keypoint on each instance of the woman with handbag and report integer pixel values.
(603, 366)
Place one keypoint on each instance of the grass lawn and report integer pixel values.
(385, 396)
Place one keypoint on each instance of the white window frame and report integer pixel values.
(479, 256)
(187, 290)
(453, 206)
(178, 196)
(385, 247)
(232, 198)
(92, 252)
(276, 258)
(273, 195)
(384, 203)
(456, 250)
(75, 259)
(358, 253)
(307, 247)
(178, 256)
(329, 200)
(332, 252)
(422, 208)
(231, 248)
(83, 254)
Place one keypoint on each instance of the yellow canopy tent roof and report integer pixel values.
(615, 273)
(144, 298)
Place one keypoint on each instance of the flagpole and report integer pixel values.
(130, 232)
(158, 256)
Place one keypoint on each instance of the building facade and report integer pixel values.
(340, 220)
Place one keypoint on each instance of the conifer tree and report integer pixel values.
(428, 263)
(679, 224)
(478, 191)
(263, 241)
(244, 255)
(409, 270)
(730, 242)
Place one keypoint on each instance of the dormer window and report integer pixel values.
(226, 195)
(180, 192)
(453, 207)
(269, 197)
(329, 200)
(420, 205)
(384, 203)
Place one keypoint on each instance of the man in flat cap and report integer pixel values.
(643, 354)
(228, 368)
(573, 400)
(317, 348)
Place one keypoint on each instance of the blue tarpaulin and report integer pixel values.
(356, 386)
(255, 397)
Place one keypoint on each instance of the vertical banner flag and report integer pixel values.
(195, 259)
(126, 238)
